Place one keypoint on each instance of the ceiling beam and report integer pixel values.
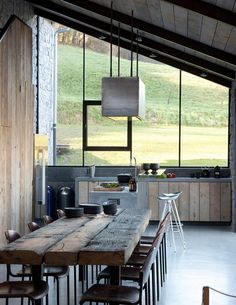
(151, 29)
(127, 45)
(207, 9)
(156, 46)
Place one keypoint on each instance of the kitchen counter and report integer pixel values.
(202, 199)
(181, 179)
(151, 178)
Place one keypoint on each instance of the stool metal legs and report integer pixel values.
(175, 224)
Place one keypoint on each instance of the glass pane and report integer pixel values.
(107, 158)
(103, 131)
(97, 65)
(69, 105)
(155, 139)
(204, 122)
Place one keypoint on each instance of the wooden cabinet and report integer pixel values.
(199, 201)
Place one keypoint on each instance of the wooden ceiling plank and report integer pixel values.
(124, 44)
(209, 26)
(207, 9)
(226, 4)
(221, 36)
(152, 44)
(181, 20)
(141, 10)
(155, 12)
(167, 11)
(231, 43)
(194, 25)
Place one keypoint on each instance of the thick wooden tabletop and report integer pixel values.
(91, 239)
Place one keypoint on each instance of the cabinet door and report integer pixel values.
(194, 201)
(204, 201)
(215, 201)
(152, 200)
(183, 201)
(225, 198)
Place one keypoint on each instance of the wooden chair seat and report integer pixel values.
(27, 289)
(111, 294)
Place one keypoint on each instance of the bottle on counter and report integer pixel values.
(132, 185)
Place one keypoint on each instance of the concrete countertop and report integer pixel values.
(153, 179)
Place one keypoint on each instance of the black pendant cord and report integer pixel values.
(118, 49)
(132, 42)
(84, 130)
(37, 64)
(137, 41)
(111, 30)
(180, 113)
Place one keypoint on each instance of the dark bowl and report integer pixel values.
(110, 208)
(154, 166)
(146, 166)
(72, 212)
(91, 208)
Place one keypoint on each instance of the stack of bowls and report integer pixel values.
(72, 212)
(91, 208)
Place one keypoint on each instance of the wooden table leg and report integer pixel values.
(115, 275)
(37, 275)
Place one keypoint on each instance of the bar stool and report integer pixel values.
(175, 223)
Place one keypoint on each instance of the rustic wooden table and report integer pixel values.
(88, 240)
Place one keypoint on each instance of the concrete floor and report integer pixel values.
(208, 260)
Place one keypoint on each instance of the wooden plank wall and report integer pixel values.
(199, 201)
(16, 128)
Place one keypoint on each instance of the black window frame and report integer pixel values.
(86, 147)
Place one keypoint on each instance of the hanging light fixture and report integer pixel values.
(123, 96)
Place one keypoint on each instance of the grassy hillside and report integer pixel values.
(203, 103)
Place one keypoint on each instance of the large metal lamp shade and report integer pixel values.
(123, 96)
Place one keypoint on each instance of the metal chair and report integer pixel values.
(119, 294)
(28, 289)
(47, 219)
(33, 226)
(60, 213)
(56, 272)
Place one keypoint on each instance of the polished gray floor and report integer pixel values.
(208, 260)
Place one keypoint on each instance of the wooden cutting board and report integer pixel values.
(108, 189)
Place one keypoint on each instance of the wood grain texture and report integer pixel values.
(153, 201)
(114, 245)
(91, 239)
(184, 201)
(215, 202)
(16, 114)
(194, 213)
(204, 201)
(225, 195)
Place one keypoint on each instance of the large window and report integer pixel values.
(204, 122)
(186, 121)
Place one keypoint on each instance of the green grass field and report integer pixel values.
(204, 114)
